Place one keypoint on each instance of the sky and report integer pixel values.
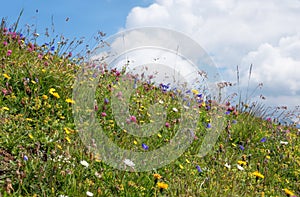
(265, 33)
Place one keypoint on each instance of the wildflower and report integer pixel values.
(25, 158)
(162, 185)
(180, 166)
(263, 139)
(240, 167)
(242, 163)
(45, 97)
(234, 121)
(5, 43)
(30, 136)
(68, 139)
(106, 101)
(227, 112)
(257, 174)
(195, 92)
(9, 52)
(159, 135)
(175, 109)
(161, 102)
(89, 193)
(157, 176)
(167, 124)
(5, 108)
(103, 114)
(84, 163)
(59, 146)
(289, 192)
(145, 147)
(70, 101)
(56, 95)
(6, 76)
(227, 165)
(208, 125)
(241, 147)
(129, 163)
(199, 169)
(132, 118)
(52, 90)
(283, 142)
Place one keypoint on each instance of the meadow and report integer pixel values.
(41, 153)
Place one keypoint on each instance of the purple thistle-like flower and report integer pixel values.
(145, 147)
(199, 169)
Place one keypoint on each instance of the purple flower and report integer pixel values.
(234, 121)
(25, 158)
(52, 48)
(103, 114)
(106, 101)
(242, 147)
(227, 112)
(9, 52)
(208, 125)
(132, 118)
(145, 147)
(199, 169)
(167, 124)
(263, 139)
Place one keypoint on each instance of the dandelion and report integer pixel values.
(56, 95)
(52, 90)
(157, 176)
(89, 193)
(70, 101)
(257, 174)
(162, 185)
(129, 163)
(9, 52)
(6, 76)
(84, 163)
(289, 192)
(145, 147)
(45, 97)
(242, 163)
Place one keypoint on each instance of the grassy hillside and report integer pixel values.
(41, 153)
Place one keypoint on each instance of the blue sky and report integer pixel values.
(85, 17)
(234, 32)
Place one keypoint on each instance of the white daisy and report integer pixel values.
(129, 163)
(84, 163)
(227, 165)
(283, 142)
(89, 193)
(240, 167)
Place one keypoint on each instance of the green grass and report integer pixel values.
(40, 148)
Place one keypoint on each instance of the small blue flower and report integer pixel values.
(52, 48)
(208, 125)
(242, 147)
(263, 139)
(106, 101)
(145, 147)
(199, 95)
(234, 121)
(25, 158)
(227, 112)
(199, 169)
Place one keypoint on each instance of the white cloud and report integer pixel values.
(236, 32)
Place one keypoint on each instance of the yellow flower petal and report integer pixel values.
(6, 76)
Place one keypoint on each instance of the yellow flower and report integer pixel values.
(159, 135)
(157, 176)
(45, 97)
(30, 136)
(56, 95)
(135, 142)
(162, 185)
(257, 174)
(180, 166)
(5, 108)
(6, 76)
(195, 91)
(52, 90)
(289, 192)
(59, 146)
(68, 139)
(242, 163)
(70, 101)
(187, 161)
(67, 130)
